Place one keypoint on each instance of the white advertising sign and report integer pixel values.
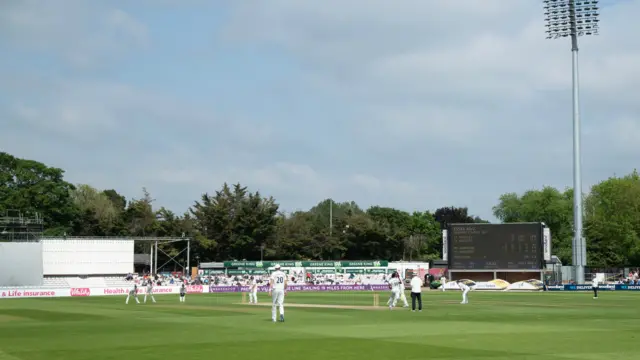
(546, 243)
(10, 293)
(445, 245)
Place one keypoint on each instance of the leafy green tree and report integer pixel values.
(119, 201)
(548, 205)
(31, 187)
(97, 213)
(236, 221)
(139, 216)
(394, 226)
(363, 238)
(292, 235)
(427, 239)
(612, 222)
(454, 215)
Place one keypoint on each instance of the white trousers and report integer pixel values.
(401, 296)
(151, 295)
(253, 297)
(393, 298)
(465, 298)
(277, 298)
(135, 296)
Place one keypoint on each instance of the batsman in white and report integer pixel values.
(183, 293)
(401, 295)
(395, 290)
(465, 290)
(133, 292)
(149, 291)
(253, 291)
(277, 290)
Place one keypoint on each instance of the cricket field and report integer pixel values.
(341, 326)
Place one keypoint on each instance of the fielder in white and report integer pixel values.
(277, 290)
(443, 281)
(133, 292)
(395, 291)
(253, 291)
(465, 290)
(183, 293)
(149, 292)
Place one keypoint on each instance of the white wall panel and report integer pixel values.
(87, 256)
(20, 264)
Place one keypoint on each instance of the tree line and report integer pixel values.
(235, 223)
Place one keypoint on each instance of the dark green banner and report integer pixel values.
(247, 272)
(212, 272)
(375, 271)
(305, 264)
(322, 271)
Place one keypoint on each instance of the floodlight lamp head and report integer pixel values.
(571, 18)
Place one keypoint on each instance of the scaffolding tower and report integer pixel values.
(15, 226)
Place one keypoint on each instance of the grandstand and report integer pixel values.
(75, 263)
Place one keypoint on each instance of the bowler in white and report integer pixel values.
(465, 290)
(277, 290)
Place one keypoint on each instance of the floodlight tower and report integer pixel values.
(574, 18)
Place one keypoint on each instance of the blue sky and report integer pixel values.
(415, 105)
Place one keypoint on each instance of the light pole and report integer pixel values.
(330, 217)
(574, 18)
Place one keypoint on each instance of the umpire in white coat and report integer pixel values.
(416, 293)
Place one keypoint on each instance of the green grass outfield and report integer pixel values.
(497, 326)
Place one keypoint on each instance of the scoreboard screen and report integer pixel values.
(495, 246)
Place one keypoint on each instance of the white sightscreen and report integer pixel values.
(20, 264)
(87, 257)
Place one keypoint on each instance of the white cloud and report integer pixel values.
(437, 102)
(83, 33)
(489, 73)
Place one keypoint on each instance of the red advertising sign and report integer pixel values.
(80, 292)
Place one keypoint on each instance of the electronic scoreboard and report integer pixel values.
(495, 246)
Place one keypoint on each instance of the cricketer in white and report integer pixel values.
(394, 285)
(595, 284)
(277, 290)
(253, 291)
(465, 290)
(133, 292)
(149, 292)
(183, 293)
(401, 295)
